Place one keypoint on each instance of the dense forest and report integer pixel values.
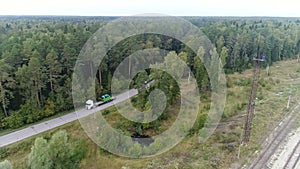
(37, 56)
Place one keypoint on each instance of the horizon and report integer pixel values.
(230, 8)
(212, 16)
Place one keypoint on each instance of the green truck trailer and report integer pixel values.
(90, 104)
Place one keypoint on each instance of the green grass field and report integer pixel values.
(219, 151)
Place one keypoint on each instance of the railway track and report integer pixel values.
(274, 141)
(293, 158)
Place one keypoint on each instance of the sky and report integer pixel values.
(282, 8)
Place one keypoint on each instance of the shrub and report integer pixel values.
(49, 108)
(243, 82)
(58, 152)
(15, 120)
(3, 152)
(106, 112)
(229, 82)
(230, 93)
(5, 165)
(262, 82)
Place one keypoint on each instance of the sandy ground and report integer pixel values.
(279, 159)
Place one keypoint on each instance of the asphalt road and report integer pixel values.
(50, 124)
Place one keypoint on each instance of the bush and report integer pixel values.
(230, 93)
(79, 151)
(262, 82)
(49, 108)
(58, 152)
(3, 152)
(105, 112)
(207, 107)
(199, 123)
(239, 106)
(229, 82)
(204, 96)
(268, 87)
(15, 120)
(163, 116)
(243, 82)
(5, 165)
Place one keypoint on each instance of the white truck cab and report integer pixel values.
(89, 104)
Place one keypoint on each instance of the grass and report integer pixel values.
(219, 151)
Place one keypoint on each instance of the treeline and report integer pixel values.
(37, 56)
(243, 39)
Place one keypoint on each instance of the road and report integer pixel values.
(50, 124)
